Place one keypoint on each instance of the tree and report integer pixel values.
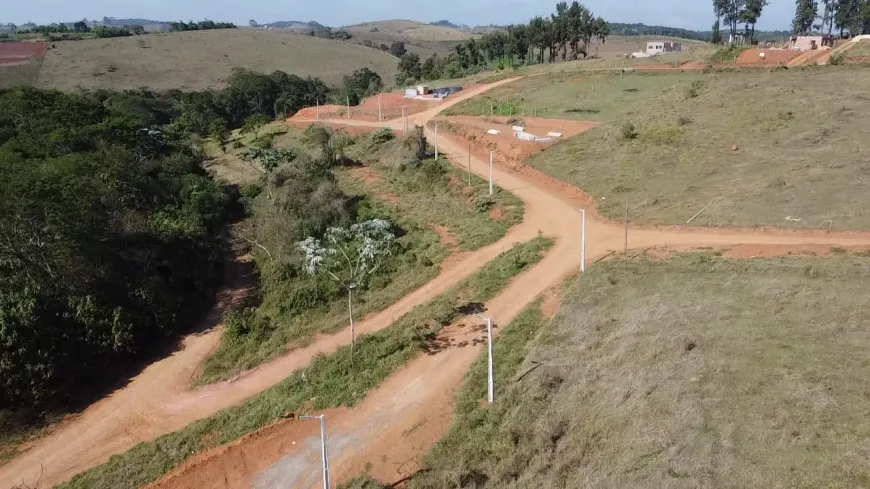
(362, 83)
(397, 49)
(750, 14)
(81, 26)
(410, 69)
(806, 14)
(254, 123)
(716, 36)
(267, 161)
(253, 23)
(349, 257)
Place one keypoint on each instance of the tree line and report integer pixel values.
(108, 243)
(110, 230)
(566, 35)
(205, 25)
(733, 14)
(848, 17)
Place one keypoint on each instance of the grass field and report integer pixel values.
(420, 38)
(329, 381)
(203, 59)
(861, 52)
(24, 74)
(695, 372)
(799, 153)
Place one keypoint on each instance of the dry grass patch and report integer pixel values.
(693, 372)
(203, 59)
(755, 143)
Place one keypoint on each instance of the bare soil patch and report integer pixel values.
(766, 57)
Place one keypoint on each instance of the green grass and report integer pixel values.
(418, 208)
(202, 60)
(859, 52)
(329, 381)
(20, 75)
(441, 197)
(694, 372)
(800, 153)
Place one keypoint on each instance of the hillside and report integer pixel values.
(407, 30)
(420, 38)
(202, 59)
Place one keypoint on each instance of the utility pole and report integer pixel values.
(491, 162)
(348, 107)
(380, 108)
(404, 122)
(436, 142)
(490, 380)
(626, 231)
(317, 101)
(469, 164)
(583, 243)
(323, 454)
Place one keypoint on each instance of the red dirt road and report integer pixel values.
(396, 424)
(417, 399)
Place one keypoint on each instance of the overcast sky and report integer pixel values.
(690, 14)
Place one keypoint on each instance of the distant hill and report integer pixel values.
(198, 60)
(121, 22)
(408, 30)
(618, 29)
(447, 23)
(296, 25)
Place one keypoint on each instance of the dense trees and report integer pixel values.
(849, 17)
(735, 12)
(360, 84)
(567, 34)
(108, 241)
(205, 25)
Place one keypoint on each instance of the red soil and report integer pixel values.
(772, 57)
(390, 108)
(17, 53)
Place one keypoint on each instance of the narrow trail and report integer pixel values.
(397, 422)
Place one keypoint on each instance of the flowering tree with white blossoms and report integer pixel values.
(349, 256)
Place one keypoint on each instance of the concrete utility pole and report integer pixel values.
(491, 163)
(436, 142)
(404, 122)
(469, 164)
(348, 107)
(583, 243)
(323, 454)
(490, 380)
(317, 101)
(380, 108)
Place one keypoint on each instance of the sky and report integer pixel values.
(689, 14)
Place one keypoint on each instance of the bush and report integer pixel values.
(727, 55)
(628, 131)
(238, 145)
(837, 59)
(252, 190)
(382, 136)
(684, 121)
(694, 89)
(484, 204)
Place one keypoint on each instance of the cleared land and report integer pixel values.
(696, 372)
(203, 59)
(755, 145)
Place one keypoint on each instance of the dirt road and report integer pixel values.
(158, 400)
(389, 431)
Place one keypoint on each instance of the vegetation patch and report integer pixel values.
(676, 356)
(330, 381)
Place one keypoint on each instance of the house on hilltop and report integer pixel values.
(659, 47)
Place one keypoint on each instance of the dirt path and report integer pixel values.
(420, 395)
(391, 430)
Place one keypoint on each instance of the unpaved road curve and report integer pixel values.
(394, 426)
(157, 401)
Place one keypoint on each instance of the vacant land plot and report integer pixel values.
(201, 60)
(694, 372)
(756, 146)
(859, 53)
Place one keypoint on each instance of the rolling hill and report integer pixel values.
(420, 38)
(203, 59)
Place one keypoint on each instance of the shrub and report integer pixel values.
(727, 55)
(694, 89)
(684, 121)
(238, 145)
(252, 190)
(382, 136)
(837, 59)
(628, 131)
(484, 203)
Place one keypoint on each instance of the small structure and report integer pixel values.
(411, 93)
(659, 47)
(422, 89)
(811, 43)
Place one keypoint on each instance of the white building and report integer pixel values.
(660, 47)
